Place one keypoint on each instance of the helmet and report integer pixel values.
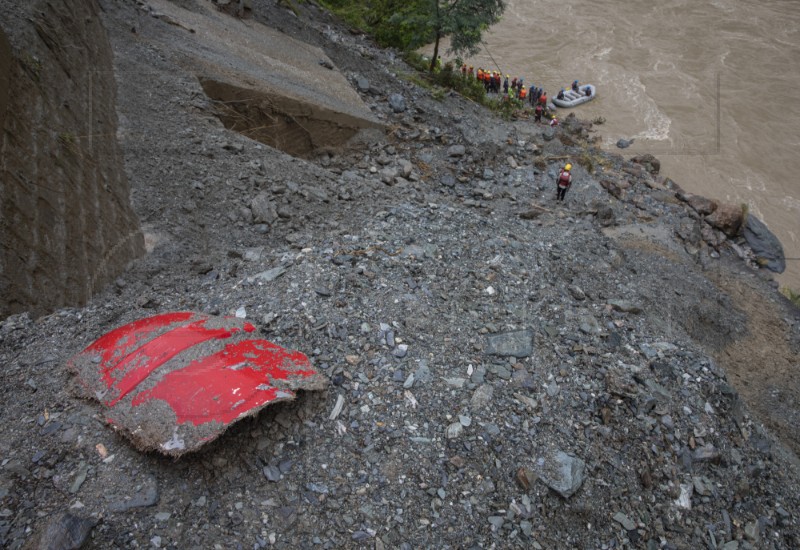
(506, 76)
(568, 167)
(574, 81)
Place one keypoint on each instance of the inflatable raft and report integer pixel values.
(573, 99)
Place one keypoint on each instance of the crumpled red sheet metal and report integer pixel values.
(175, 381)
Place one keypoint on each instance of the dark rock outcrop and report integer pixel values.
(765, 244)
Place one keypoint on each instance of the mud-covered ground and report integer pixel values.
(630, 413)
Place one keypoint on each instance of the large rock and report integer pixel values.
(511, 344)
(727, 218)
(264, 210)
(397, 102)
(701, 205)
(650, 163)
(765, 245)
(623, 143)
(612, 188)
(561, 472)
(456, 151)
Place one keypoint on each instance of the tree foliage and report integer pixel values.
(464, 21)
(410, 24)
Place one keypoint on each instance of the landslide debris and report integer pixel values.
(505, 370)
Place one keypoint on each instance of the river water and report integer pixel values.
(710, 87)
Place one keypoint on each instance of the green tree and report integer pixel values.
(426, 21)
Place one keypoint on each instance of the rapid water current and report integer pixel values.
(710, 87)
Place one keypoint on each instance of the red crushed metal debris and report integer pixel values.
(176, 381)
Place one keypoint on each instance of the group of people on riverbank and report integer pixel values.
(512, 88)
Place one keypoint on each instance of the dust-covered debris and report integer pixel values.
(404, 234)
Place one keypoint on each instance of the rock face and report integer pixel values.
(765, 245)
(69, 227)
(727, 218)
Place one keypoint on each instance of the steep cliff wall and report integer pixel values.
(67, 224)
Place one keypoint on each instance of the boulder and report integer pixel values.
(561, 472)
(612, 188)
(624, 143)
(388, 175)
(605, 216)
(397, 102)
(711, 236)
(727, 218)
(765, 245)
(511, 344)
(662, 195)
(456, 151)
(689, 231)
(651, 163)
(405, 168)
(701, 205)
(263, 209)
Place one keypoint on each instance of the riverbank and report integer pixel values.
(695, 85)
(504, 369)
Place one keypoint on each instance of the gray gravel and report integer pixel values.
(502, 380)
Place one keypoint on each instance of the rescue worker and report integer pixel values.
(575, 86)
(464, 70)
(543, 98)
(480, 75)
(560, 94)
(523, 93)
(537, 113)
(505, 85)
(563, 182)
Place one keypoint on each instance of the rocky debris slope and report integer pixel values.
(505, 370)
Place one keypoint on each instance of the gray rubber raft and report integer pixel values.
(573, 99)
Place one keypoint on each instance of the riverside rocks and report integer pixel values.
(766, 246)
(424, 438)
(727, 218)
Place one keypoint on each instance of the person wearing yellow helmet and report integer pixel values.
(563, 182)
